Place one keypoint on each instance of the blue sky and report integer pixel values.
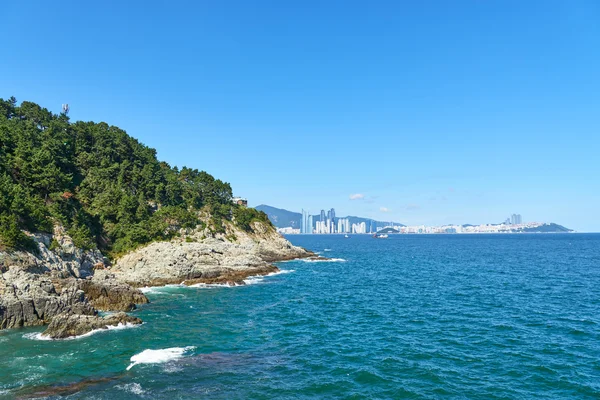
(432, 112)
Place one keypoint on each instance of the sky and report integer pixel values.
(428, 112)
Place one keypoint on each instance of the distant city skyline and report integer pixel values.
(329, 224)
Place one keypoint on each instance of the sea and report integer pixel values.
(508, 316)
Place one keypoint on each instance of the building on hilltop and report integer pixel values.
(240, 201)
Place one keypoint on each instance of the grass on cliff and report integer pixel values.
(107, 189)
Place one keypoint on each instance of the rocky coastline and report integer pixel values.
(65, 287)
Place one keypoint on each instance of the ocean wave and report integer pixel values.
(134, 388)
(120, 326)
(252, 280)
(326, 249)
(214, 285)
(160, 356)
(309, 260)
(159, 289)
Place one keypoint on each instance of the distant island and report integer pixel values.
(289, 222)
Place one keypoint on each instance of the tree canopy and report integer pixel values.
(105, 187)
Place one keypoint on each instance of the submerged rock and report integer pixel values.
(68, 325)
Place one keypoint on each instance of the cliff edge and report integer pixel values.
(36, 287)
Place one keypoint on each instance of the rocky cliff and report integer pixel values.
(61, 279)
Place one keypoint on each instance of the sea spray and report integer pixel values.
(118, 327)
(160, 356)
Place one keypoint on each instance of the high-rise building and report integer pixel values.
(332, 211)
(306, 225)
(516, 219)
(323, 216)
(303, 222)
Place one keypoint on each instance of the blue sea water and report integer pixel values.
(416, 317)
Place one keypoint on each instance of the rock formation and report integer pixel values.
(66, 325)
(62, 280)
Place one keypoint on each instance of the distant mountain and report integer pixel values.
(283, 218)
(548, 228)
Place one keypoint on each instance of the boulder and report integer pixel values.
(68, 325)
(105, 293)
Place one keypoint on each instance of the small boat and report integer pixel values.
(346, 236)
(381, 236)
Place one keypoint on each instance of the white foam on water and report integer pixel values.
(157, 289)
(252, 280)
(327, 260)
(134, 388)
(160, 356)
(120, 326)
(213, 285)
(35, 336)
(326, 249)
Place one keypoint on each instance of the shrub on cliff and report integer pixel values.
(244, 217)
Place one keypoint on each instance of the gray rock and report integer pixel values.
(30, 299)
(61, 279)
(105, 293)
(68, 325)
(207, 257)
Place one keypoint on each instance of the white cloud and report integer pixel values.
(357, 196)
(384, 209)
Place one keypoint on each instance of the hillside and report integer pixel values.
(283, 218)
(548, 228)
(72, 193)
(105, 188)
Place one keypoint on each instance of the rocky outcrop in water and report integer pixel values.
(61, 279)
(66, 325)
(105, 293)
(31, 299)
(34, 288)
(226, 257)
(210, 261)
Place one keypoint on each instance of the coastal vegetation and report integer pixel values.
(108, 190)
